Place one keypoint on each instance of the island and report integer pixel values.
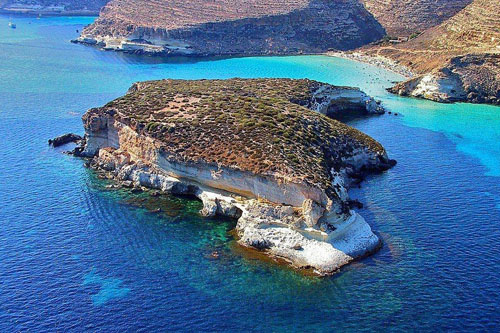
(262, 151)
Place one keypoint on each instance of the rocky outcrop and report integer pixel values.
(228, 28)
(471, 78)
(457, 60)
(285, 180)
(342, 102)
(64, 139)
(201, 27)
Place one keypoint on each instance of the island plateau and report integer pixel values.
(262, 151)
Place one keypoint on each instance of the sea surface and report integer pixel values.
(77, 256)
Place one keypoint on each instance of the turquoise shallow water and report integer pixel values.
(75, 256)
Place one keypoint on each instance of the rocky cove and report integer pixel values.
(284, 179)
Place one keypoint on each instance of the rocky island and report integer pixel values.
(262, 151)
(229, 28)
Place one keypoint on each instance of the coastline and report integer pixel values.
(32, 12)
(379, 61)
(308, 222)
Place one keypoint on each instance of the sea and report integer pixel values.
(77, 256)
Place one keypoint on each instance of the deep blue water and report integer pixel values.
(75, 256)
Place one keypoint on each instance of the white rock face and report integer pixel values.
(331, 101)
(286, 220)
(434, 86)
(309, 247)
(130, 44)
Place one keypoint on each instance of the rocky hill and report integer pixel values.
(258, 150)
(405, 17)
(203, 27)
(450, 55)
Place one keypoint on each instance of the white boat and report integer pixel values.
(12, 25)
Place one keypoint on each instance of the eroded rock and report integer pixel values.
(285, 181)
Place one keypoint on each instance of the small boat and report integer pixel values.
(12, 25)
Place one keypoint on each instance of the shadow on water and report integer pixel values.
(152, 59)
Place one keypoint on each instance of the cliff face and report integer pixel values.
(450, 56)
(250, 149)
(473, 78)
(232, 27)
(404, 17)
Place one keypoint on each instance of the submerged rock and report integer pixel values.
(260, 151)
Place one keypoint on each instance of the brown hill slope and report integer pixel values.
(404, 17)
(475, 29)
(174, 14)
(237, 27)
(466, 47)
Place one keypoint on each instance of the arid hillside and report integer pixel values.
(475, 29)
(405, 17)
(239, 27)
(175, 14)
(459, 59)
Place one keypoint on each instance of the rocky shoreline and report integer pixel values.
(261, 225)
(470, 78)
(52, 8)
(298, 210)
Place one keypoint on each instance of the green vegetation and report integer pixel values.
(415, 35)
(254, 125)
(387, 38)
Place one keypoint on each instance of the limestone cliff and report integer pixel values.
(250, 27)
(257, 150)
